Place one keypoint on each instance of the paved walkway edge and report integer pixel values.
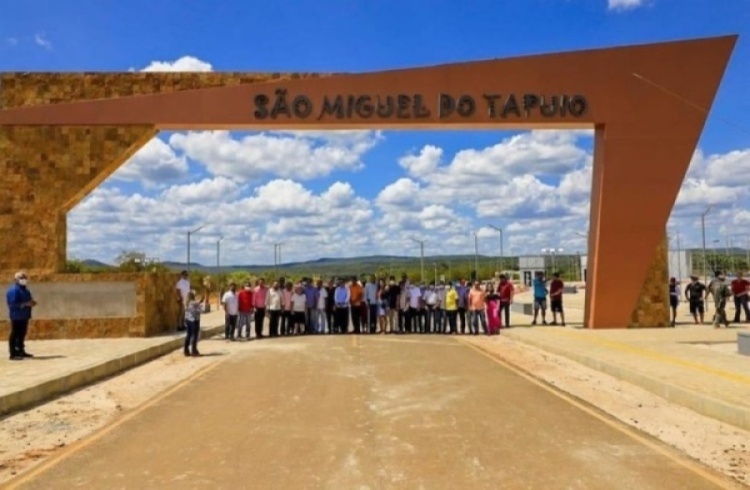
(698, 402)
(27, 398)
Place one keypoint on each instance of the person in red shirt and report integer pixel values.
(245, 310)
(556, 298)
(740, 287)
(505, 290)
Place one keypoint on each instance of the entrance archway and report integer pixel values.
(61, 135)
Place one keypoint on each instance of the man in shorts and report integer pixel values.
(540, 298)
(694, 293)
(556, 299)
(721, 293)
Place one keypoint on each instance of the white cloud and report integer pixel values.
(42, 41)
(502, 180)
(297, 155)
(536, 186)
(11, 41)
(185, 63)
(620, 5)
(215, 190)
(156, 163)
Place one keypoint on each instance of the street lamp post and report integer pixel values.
(703, 235)
(218, 266)
(434, 264)
(189, 234)
(552, 252)
(421, 258)
(476, 256)
(716, 257)
(277, 258)
(502, 256)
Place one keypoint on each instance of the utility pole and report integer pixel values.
(476, 256)
(277, 258)
(421, 258)
(218, 255)
(434, 264)
(218, 267)
(189, 234)
(703, 235)
(500, 260)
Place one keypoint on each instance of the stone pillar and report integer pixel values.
(652, 309)
(45, 172)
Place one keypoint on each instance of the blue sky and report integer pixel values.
(351, 193)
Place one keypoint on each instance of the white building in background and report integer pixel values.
(529, 266)
(680, 265)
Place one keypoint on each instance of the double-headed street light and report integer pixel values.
(552, 252)
(277, 258)
(500, 260)
(189, 234)
(703, 235)
(421, 258)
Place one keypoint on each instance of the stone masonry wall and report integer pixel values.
(652, 310)
(48, 170)
(156, 309)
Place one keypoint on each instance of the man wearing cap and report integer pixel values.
(182, 288)
(694, 293)
(20, 303)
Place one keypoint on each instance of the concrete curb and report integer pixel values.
(26, 398)
(695, 401)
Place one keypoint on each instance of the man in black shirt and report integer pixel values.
(392, 292)
(695, 293)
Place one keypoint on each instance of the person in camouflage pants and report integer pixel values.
(721, 293)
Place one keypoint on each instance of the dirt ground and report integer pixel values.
(30, 438)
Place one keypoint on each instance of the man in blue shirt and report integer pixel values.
(20, 304)
(341, 297)
(540, 297)
(311, 301)
(371, 298)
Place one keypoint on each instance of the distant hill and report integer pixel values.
(348, 265)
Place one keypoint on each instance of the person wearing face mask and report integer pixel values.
(245, 308)
(20, 304)
(430, 302)
(229, 302)
(392, 292)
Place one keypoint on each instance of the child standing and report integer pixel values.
(193, 324)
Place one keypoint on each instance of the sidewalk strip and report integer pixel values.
(622, 347)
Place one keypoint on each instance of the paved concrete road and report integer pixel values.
(346, 412)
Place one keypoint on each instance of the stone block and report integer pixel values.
(743, 343)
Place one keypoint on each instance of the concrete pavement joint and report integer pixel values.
(582, 405)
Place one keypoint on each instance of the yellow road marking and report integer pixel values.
(721, 482)
(657, 356)
(55, 459)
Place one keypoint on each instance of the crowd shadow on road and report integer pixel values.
(46, 358)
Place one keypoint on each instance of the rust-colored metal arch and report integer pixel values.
(647, 105)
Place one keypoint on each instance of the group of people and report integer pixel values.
(377, 306)
(697, 293)
(341, 306)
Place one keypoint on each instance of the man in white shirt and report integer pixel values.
(415, 304)
(273, 304)
(431, 301)
(182, 288)
(320, 311)
(440, 316)
(231, 310)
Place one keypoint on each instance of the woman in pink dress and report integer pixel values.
(493, 311)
